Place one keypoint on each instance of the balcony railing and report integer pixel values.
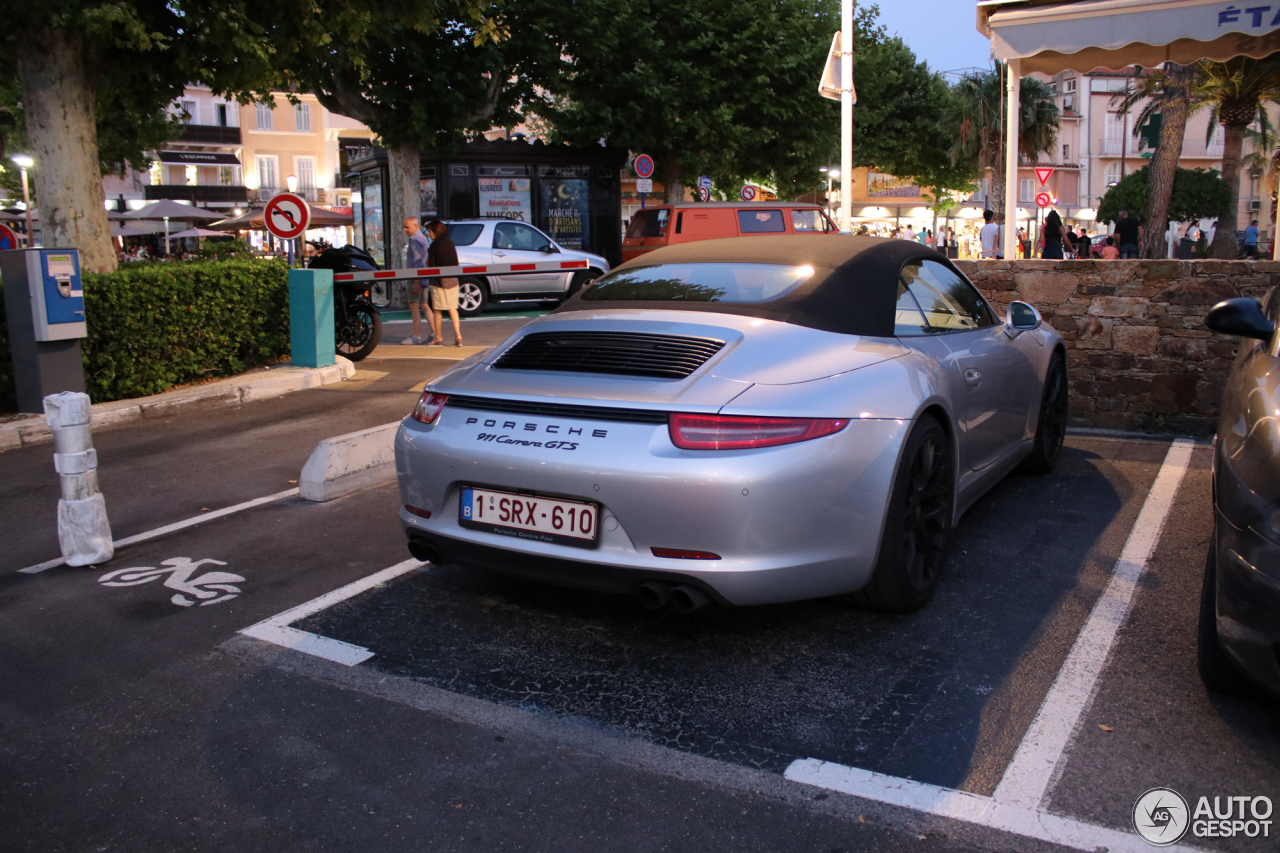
(315, 195)
(198, 193)
(209, 134)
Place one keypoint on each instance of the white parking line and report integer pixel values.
(1018, 803)
(170, 528)
(276, 629)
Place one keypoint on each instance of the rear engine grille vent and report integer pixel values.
(621, 353)
(557, 410)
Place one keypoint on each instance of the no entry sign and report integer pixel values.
(287, 215)
(644, 165)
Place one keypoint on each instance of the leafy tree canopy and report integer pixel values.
(706, 86)
(1197, 194)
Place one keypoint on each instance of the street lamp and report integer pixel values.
(292, 182)
(24, 162)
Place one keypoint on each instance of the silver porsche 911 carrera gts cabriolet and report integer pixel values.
(745, 421)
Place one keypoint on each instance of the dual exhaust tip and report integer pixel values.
(682, 598)
(652, 595)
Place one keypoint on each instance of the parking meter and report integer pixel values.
(44, 306)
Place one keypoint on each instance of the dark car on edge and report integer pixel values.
(1239, 631)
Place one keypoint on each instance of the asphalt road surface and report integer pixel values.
(485, 713)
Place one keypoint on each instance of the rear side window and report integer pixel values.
(809, 221)
(649, 223)
(718, 282)
(761, 222)
(465, 233)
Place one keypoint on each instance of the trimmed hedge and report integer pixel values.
(154, 326)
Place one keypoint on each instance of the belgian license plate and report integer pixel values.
(535, 517)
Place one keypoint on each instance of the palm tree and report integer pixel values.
(1237, 91)
(1168, 93)
(977, 114)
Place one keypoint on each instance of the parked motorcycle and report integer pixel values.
(357, 323)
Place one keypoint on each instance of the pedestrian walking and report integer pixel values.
(990, 236)
(1129, 235)
(419, 292)
(1251, 240)
(444, 297)
(1054, 238)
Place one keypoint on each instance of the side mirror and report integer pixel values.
(1022, 317)
(1241, 317)
(550, 249)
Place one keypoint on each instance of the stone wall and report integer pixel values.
(1138, 353)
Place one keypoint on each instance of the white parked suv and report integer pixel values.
(504, 241)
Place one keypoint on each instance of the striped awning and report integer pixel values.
(1115, 34)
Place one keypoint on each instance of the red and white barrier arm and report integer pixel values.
(466, 269)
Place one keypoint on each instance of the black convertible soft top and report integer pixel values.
(853, 291)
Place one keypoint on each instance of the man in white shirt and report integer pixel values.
(990, 236)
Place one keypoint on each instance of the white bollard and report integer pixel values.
(83, 530)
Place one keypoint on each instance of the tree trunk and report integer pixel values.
(403, 172)
(673, 189)
(1224, 239)
(59, 97)
(996, 201)
(1174, 101)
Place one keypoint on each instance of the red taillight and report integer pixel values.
(418, 511)
(429, 407)
(736, 432)
(679, 554)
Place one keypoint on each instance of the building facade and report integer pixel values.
(231, 156)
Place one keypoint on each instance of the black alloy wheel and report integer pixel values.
(917, 530)
(1051, 427)
(358, 333)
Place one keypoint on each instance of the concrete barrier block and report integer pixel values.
(347, 463)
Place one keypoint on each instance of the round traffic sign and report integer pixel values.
(748, 193)
(1043, 200)
(644, 165)
(704, 194)
(8, 239)
(287, 215)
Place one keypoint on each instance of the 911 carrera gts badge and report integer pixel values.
(530, 441)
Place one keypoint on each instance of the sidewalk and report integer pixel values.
(27, 429)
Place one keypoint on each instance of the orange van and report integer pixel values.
(668, 224)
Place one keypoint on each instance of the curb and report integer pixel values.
(347, 463)
(33, 429)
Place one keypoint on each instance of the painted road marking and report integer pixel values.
(276, 629)
(1018, 803)
(170, 528)
(209, 588)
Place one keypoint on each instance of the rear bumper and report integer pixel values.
(789, 523)
(1248, 599)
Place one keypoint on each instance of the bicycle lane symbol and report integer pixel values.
(208, 588)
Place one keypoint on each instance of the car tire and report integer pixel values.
(917, 527)
(1051, 423)
(1217, 670)
(473, 296)
(579, 279)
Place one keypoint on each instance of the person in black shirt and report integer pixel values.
(444, 296)
(1129, 235)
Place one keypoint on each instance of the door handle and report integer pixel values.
(972, 378)
(500, 254)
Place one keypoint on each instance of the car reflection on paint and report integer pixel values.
(746, 420)
(1239, 629)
